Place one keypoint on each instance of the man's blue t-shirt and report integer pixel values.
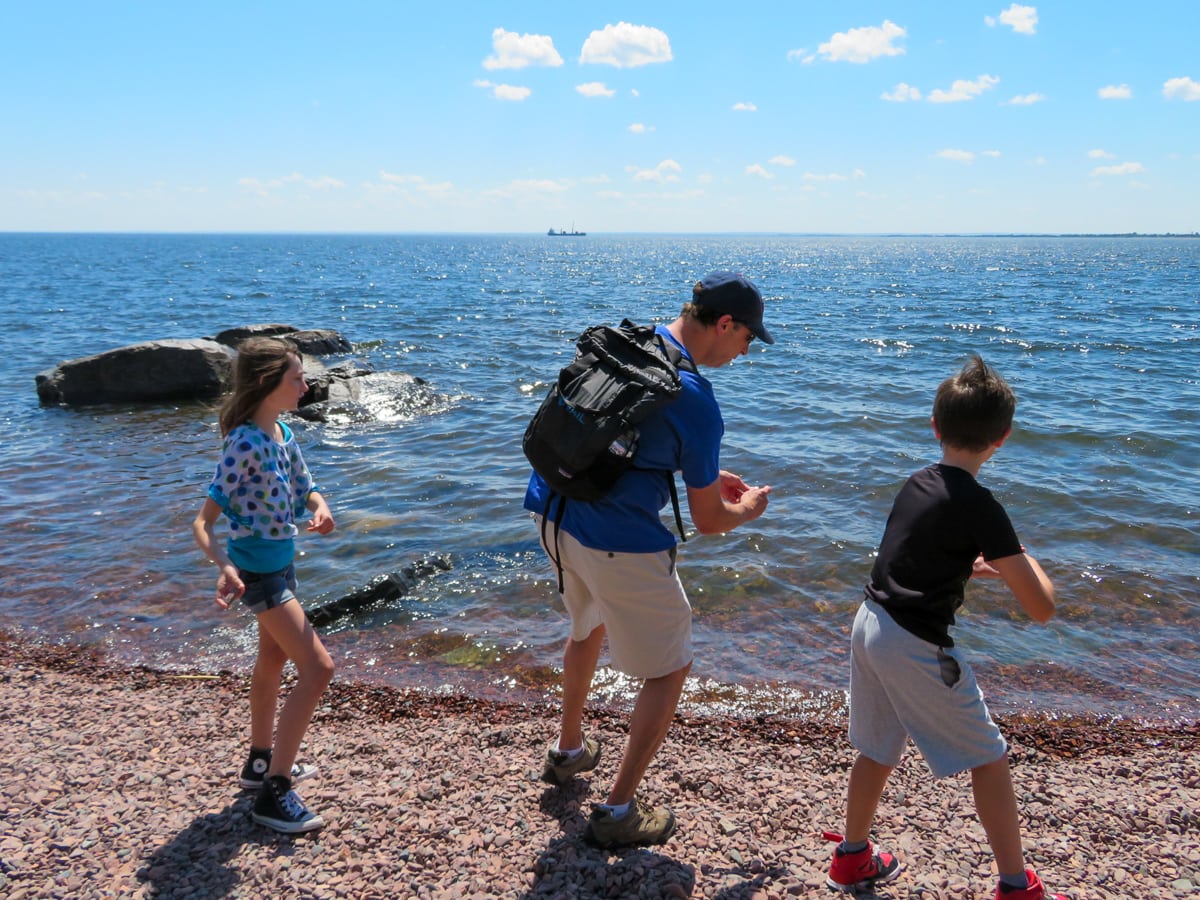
(683, 437)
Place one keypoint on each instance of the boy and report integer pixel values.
(906, 679)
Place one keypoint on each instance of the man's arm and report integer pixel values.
(725, 504)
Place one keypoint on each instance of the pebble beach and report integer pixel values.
(122, 782)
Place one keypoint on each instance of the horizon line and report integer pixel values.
(369, 233)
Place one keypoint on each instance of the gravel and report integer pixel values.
(119, 782)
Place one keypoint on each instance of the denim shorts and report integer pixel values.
(268, 590)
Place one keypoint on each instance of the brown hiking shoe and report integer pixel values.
(558, 770)
(643, 824)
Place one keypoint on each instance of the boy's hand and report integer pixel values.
(981, 568)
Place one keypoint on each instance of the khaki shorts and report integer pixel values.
(637, 597)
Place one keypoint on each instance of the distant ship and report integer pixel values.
(562, 232)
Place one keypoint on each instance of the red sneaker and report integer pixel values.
(1035, 891)
(855, 872)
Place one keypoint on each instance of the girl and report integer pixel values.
(261, 485)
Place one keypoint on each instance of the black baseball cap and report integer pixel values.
(734, 294)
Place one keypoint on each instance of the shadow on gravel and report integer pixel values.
(197, 858)
(572, 869)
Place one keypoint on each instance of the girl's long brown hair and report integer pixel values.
(260, 365)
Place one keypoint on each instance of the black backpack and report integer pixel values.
(584, 435)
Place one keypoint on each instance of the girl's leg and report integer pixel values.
(264, 690)
(291, 630)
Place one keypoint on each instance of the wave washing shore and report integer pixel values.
(120, 782)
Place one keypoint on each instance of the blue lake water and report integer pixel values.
(1100, 337)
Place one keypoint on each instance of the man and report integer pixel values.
(618, 560)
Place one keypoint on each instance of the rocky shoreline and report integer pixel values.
(120, 782)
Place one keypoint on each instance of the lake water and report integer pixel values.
(1100, 338)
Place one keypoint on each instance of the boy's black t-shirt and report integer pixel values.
(941, 520)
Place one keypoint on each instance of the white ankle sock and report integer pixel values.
(618, 811)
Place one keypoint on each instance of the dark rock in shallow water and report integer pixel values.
(350, 393)
(165, 370)
(231, 337)
(151, 371)
(381, 588)
(312, 341)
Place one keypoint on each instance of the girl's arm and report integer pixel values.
(322, 519)
(229, 585)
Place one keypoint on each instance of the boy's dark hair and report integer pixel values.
(260, 365)
(974, 409)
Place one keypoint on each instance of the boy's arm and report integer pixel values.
(1029, 584)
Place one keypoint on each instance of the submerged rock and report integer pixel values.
(382, 588)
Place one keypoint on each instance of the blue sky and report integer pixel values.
(622, 117)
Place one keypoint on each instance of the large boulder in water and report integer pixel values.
(163, 370)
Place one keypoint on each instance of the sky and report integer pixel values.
(665, 117)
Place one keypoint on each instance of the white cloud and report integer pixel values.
(667, 170)
(1115, 92)
(626, 46)
(516, 51)
(1026, 99)
(964, 90)
(758, 170)
(1099, 154)
(533, 186)
(1129, 168)
(262, 188)
(994, 154)
(1181, 89)
(393, 182)
(639, 128)
(1022, 19)
(745, 107)
(860, 45)
(504, 91)
(781, 160)
(803, 55)
(963, 156)
(595, 89)
(833, 176)
(901, 93)
(528, 187)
